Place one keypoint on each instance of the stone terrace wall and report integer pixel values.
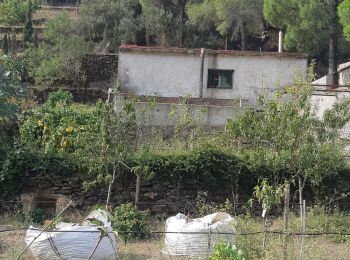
(100, 70)
(156, 196)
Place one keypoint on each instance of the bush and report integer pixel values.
(24, 162)
(35, 216)
(215, 168)
(226, 251)
(128, 219)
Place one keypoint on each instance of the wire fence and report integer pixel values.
(193, 244)
(327, 235)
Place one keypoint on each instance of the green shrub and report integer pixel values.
(35, 216)
(215, 168)
(127, 219)
(250, 245)
(226, 251)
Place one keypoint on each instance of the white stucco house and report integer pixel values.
(326, 95)
(212, 78)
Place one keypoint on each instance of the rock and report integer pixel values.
(150, 195)
(132, 194)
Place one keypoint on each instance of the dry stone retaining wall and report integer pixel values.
(155, 196)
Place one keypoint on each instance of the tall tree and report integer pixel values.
(344, 15)
(235, 18)
(5, 44)
(112, 20)
(157, 23)
(28, 26)
(308, 24)
(12, 12)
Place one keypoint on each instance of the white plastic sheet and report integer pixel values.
(74, 244)
(197, 237)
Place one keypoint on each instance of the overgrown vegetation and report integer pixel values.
(129, 222)
(226, 251)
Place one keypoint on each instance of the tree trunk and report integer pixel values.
(333, 60)
(300, 191)
(182, 23)
(243, 37)
(333, 44)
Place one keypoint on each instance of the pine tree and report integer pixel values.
(308, 25)
(28, 26)
(5, 44)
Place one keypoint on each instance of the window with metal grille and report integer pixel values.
(220, 78)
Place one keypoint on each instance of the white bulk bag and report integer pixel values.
(74, 244)
(197, 237)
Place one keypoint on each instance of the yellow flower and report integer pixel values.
(64, 144)
(40, 123)
(69, 130)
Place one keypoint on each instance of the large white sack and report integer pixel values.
(196, 237)
(74, 245)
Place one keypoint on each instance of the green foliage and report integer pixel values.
(12, 96)
(58, 57)
(319, 220)
(112, 20)
(286, 136)
(13, 12)
(128, 219)
(203, 207)
(207, 165)
(28, 26)
(5, 44)
(238, 17)
(268, 195)
(12, 90)
(251, 246)
(226, 251)
(157, 22)
(306, 22)
(24, 162)
(188, 123)
(35, 216)
(343, 10)
(58, 125)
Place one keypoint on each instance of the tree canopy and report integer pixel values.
(231, 17)
(308, 25)
(286, 135)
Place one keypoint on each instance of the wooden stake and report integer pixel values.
(137, 192)
(285, 221)
(303, 231)
(265, 232)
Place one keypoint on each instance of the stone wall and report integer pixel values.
(99, 70)
(158, 197)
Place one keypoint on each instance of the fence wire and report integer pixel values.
(320, 242)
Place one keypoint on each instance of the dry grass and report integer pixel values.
(315, 247)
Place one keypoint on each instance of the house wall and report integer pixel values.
(252, 74)
(208, 115)
(322, 101)
(178, 74)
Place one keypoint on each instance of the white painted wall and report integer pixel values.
(212, 116)
(162, 75)
(252, 74)
(178, 74)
